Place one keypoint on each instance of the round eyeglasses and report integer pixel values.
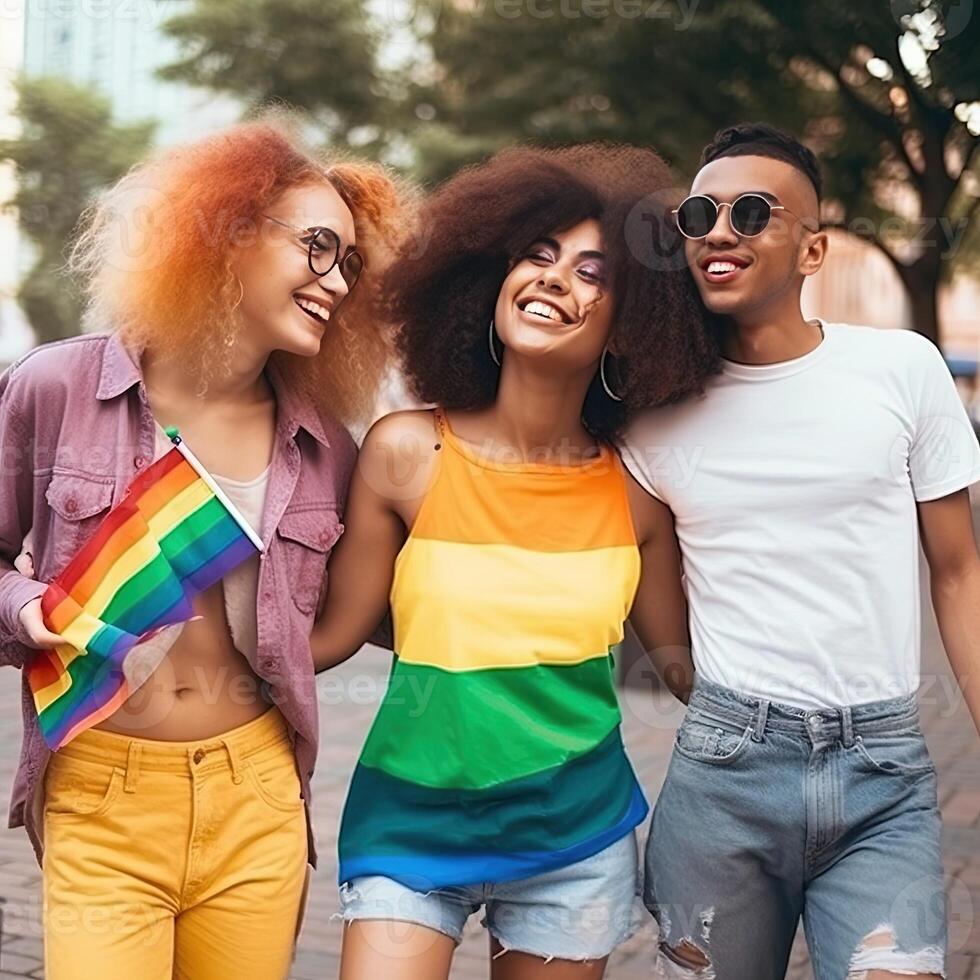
(750, 215)
(323, 252)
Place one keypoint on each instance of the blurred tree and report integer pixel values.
(67, 150)
(316, 55)
(887, 93)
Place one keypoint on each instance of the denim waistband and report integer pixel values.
(95, 745)
(892, 715)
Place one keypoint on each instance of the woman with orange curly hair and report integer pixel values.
(235, 280)
(494, 775)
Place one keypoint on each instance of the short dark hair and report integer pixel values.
(442, 297)
(763, 140)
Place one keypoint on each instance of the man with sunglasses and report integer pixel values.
(800, 784)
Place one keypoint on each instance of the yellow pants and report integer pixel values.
(174, 859)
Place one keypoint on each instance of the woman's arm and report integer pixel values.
(21, 623)
(389, 480)
(659, 613)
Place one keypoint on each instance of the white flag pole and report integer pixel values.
(175, 438)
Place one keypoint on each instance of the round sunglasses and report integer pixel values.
(750, 215)
(323, 252)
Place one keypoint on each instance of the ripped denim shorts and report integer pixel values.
(580, 912)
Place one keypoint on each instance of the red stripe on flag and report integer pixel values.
(116, 518)
(45, 668)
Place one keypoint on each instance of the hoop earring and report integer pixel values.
(241, 294)
(602, 376)
(493, 350)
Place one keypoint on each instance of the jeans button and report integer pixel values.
(198, 755)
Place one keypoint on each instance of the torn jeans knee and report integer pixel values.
(880, 950)
(686, 958)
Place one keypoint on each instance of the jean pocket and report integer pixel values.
(71, 789)
(718, 742)
(308, 536)
(897, 753)
(78, 505)
(276, 784)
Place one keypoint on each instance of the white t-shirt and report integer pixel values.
(794, 489)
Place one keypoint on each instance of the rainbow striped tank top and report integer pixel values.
(496, 752)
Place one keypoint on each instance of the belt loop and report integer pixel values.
(761, 717)
(847, 727)
(132, 766)
(233, 760)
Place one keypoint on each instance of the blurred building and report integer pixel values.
(115, 46)
(15, 334)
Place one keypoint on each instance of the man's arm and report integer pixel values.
(949, 542)
(659, 613)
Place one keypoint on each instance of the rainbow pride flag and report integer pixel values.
(127, 593)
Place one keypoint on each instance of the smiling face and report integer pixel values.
(737, 275)
(285, 305)
(556, 301)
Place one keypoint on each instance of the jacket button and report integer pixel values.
(71, 505)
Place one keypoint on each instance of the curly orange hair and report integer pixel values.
(156, 251)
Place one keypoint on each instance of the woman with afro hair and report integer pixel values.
(228, 297)
(512, 545)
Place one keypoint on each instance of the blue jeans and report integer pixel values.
(771, 812)
(582, 911)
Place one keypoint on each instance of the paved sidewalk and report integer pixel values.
(349, 698)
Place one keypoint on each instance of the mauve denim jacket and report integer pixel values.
(75, 428)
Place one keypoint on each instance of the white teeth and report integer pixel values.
(719, 267)
(316, 308)
(544, 309)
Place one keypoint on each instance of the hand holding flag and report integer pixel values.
(123, 598)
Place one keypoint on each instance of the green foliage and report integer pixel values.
(68, 149)
(669, 74)
(883, 91)
(317, 55)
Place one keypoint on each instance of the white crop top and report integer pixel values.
(241, 584)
